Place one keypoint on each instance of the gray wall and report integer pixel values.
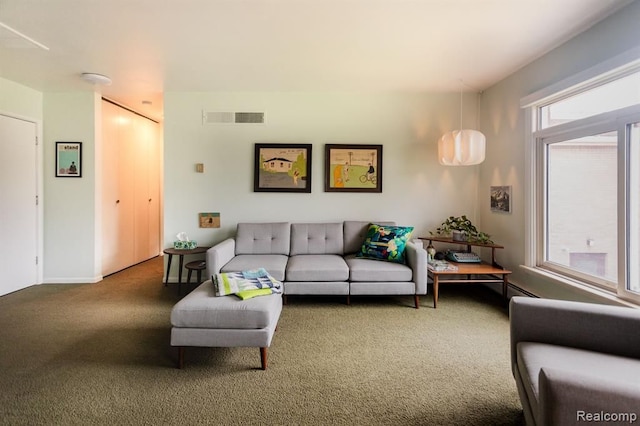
(503, 122)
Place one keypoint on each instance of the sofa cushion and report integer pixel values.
(369, 288)
(532, 356)
(385, 242)
(263, 238)
(275, 264)
(316, 238)
(334, 288)
(355, 232)
(317, 267)
(373, 270)
(202, 309)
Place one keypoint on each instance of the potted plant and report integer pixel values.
(460, 228)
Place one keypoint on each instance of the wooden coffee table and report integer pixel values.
(469, 273)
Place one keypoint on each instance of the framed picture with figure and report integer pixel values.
(69, 159)
(353, 168)
(282, 167)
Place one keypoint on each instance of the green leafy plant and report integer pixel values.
(462, 224)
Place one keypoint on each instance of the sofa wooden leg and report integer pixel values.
(417, 301)
(263, 358)
(284, 299)
(180, 357)
(348, 299)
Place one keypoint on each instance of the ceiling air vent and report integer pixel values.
(233, 117)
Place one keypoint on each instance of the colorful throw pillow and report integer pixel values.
(385, 243)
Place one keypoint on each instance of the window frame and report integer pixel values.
(582, 129)
(537, 141)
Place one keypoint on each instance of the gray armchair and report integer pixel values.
(575, 363)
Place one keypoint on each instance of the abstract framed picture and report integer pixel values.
(69, 159)
(282, 167)
(501, 199)
(353, 168)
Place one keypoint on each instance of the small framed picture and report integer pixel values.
(501, 199)
(69, 159)
(209, 220)
(353, 168)
(282, 167)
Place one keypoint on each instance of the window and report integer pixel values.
(585, 184)
(617, 94)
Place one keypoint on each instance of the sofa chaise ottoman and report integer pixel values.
(202, 319)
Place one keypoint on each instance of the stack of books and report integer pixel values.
(440, 265)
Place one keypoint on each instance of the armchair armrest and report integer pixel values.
(568, 398)
(417, 260)
(602, 328)
(219, 255)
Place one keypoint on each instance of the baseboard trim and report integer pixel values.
(520, 290)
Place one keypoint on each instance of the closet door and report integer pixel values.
(110, 190)
(117, 190)
(125, 203)
(131, 189)
(153, 176)
(141, 145)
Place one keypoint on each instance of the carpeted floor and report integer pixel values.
(98, 354)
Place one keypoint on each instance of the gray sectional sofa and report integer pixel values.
(320, 259)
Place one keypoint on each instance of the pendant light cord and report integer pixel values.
(461, 83)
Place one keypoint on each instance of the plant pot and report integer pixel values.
(459, 236)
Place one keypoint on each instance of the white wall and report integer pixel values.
(503, 122)
(19, 100)
(71, 217)
(416, 189)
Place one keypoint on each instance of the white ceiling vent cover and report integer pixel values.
(216, 117)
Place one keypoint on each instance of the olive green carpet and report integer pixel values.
(99, 354)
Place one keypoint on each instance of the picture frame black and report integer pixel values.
(69, 159)
(282, 167)
(353, 168)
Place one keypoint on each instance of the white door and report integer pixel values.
(18, 210)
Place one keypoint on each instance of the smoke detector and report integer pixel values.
(94, 78)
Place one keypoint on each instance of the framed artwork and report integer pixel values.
(209, 220)
(68, 159)
(501, 199)
(353, 168)
(282, 167)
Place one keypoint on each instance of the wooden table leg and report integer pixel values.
(505, 285)
(166, 280)
(180, 270)
(435, 291)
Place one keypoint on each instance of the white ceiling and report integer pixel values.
(149, 47)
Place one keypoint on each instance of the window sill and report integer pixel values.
(582, 287)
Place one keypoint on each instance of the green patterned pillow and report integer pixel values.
(385, 243)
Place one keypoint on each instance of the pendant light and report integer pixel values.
(464, 147)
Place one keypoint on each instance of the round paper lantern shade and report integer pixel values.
(461, 148)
